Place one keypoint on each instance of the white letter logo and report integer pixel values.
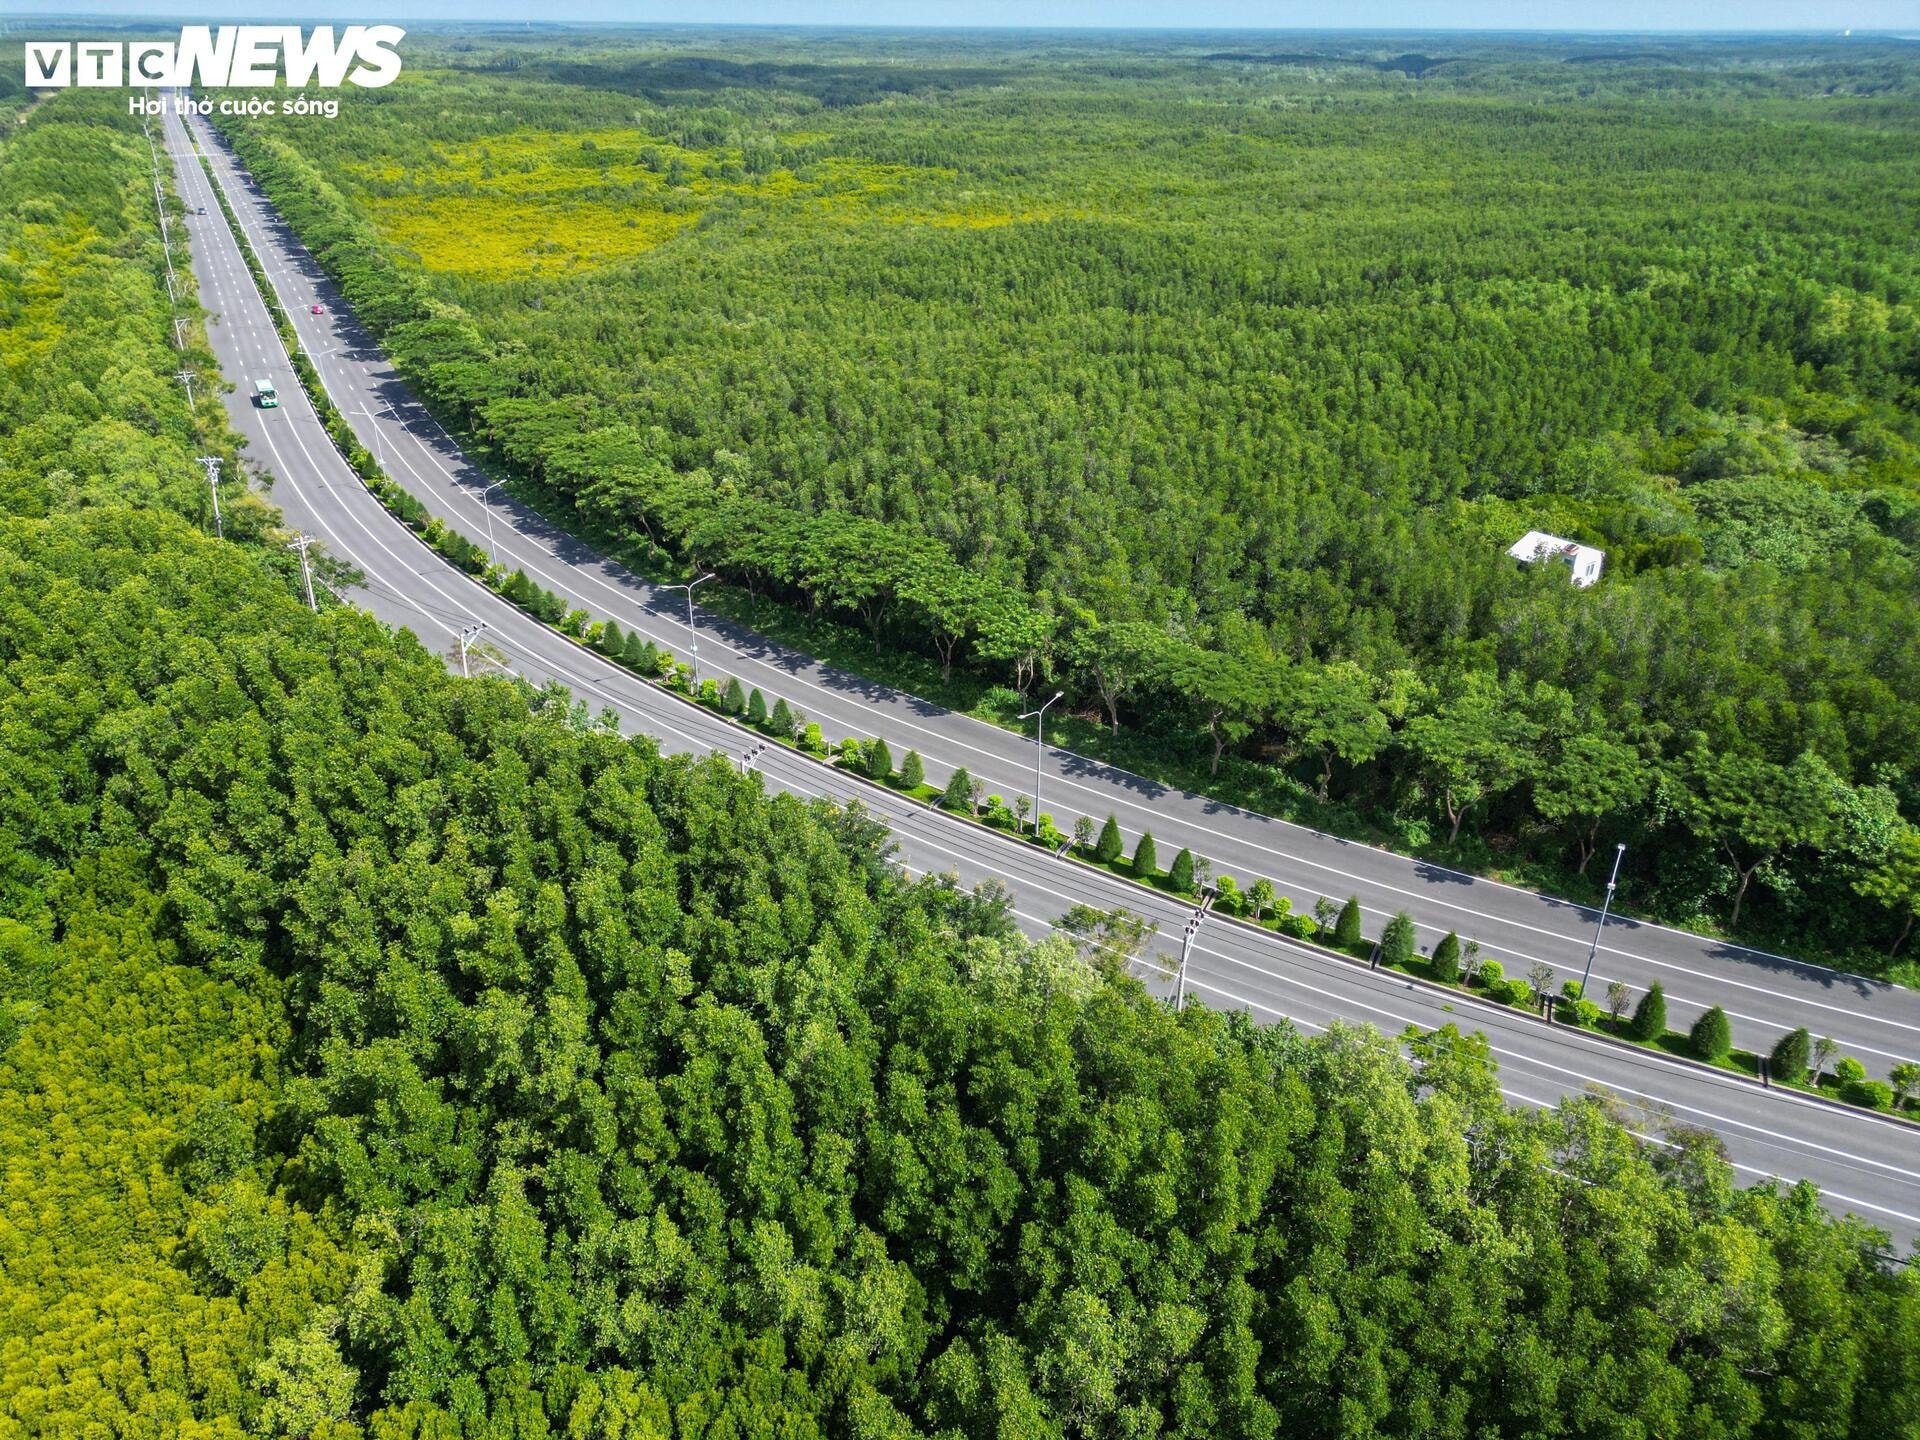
(201, 52)
(99, 65)
(49, 66)
(375, 47)
(151, 63)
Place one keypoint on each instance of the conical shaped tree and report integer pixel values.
(1346, 930)
(611, 640)
(1712, 1036)
(1446, 959)
(1107, 849)
(757, 709)
(879, 760)
(958, 796)
(781, 721)
(913, 772)
(733, 699)
(1792, 1054)
(1180, 877)
(1146, 864)
(1650, 1016)
(1396, 941)
(633, 652)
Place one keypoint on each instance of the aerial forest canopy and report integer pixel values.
(1213, 380)
(393, 1055)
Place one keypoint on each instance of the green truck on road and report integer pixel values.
(264, 395)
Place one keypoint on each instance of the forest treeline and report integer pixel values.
(1215, 394)
(385, 1054)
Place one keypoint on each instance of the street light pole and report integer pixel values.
(1605, 906)
(692, 629)
(1039, 730)
(487, 505)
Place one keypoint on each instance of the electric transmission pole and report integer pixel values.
(185, 377)
(212, 464)
(306, 568)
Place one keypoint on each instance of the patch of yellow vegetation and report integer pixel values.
(54, 247)
(543, 201)
(492, 238)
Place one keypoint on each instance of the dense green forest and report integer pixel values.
(384, 1054)
(386, 1050)
(1213, 380)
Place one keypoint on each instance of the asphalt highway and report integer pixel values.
(1862, 1163)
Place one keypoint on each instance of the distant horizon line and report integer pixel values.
(13, 20)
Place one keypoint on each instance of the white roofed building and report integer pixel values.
(1583, 560)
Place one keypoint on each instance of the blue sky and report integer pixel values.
(1830, 17)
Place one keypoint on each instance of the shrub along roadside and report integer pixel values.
(1454, 964)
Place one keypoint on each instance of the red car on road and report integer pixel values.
(318, 309)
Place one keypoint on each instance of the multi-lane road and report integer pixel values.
(1865, 1164)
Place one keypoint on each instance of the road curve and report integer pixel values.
(1762, 994)
(1866, 1165)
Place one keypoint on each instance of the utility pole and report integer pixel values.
(306, 567)
(693, 629)
(1186, 948)
(1605, 906)
(1039, 743)
(179, 340)
(468, 634)
(160, 211)
(212, 464)
(185, 377)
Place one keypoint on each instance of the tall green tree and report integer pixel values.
(1754, 810)
(1894, 882)
(1476, 744)
(1333, 711)
(1591, 778)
